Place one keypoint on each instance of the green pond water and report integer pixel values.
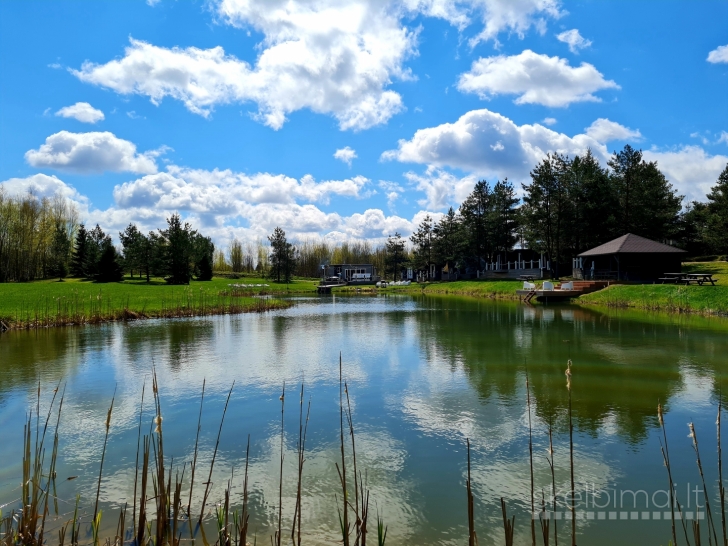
(424, 375)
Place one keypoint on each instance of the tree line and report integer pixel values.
(569, 205)
(42, 238)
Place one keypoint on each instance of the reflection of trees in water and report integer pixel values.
(45, 354)
(176, 341)
(622, 367)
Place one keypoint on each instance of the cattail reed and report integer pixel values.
(214, 455)
(302, 431)
(550, 460)
(344, 518)
(508, 524)
(530, 460)
(674, 501)
(544, 520)
(357, 523)
(472, 537)
(721, 488)
(571, 456)
(696, 448)
(136, 465)
(103, 454)
(280, 481)
(194, 458)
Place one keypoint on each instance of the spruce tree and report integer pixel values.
(717, 231)
(108, 268)
(178, 258)
(78, 260)
(59, 252)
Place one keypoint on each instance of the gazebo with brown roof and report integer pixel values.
(631, 258)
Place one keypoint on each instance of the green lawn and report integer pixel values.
(73, 300)
(498, 289)
(705, 299)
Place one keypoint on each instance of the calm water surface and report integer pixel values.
(424, 374)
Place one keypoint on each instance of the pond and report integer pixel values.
(424, 375)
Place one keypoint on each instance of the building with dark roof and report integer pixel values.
(629, 258)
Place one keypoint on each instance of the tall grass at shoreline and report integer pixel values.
(44, 305)
(160, 518)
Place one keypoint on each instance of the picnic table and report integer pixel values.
(688, 278)
(700, 278)
(672, 278)
(527, 277)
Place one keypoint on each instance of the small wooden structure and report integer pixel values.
(349, 274)
(628, 258)
(559, 291)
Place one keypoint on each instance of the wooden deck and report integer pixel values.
(580, 287)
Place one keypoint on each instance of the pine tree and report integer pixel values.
(108, 268)
(282, 256)
(422, 239)
(178, 250)
(718, 214)
(395, 255)
(78, 260)
(59, 252)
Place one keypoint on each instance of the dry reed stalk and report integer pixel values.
(721, 489)
(214, 455)
(364, 512)
(103, 453)
(674, 502)
(52, 468)
(161, 496)
(194, 458)
(243, 534)
(550, 460)
(696, 532)
(694, 437)
(143, 496)
(357, 523)
(508, 524)
(302, 432)
(545, 522)
(120, 528)
(530, 459)
(344, 519)
(571, 456)
(472, 537)
(136, 465)
(280, 482)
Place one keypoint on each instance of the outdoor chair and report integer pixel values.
(567, 286)
(529, 285)
(548, 285)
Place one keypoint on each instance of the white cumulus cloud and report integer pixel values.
(93, 152)
(81, 111)
(718, 55)
(441, 188)
(330, 57)
(604, 130)
(535, 78)
(42, 185)
(574, 40)
(346, 154)
(513, 16)
(690, 169)
(488, 143)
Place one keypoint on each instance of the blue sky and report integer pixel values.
(345, 119)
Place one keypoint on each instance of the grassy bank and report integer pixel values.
(708, 300)
(74, 301)
(497, 289)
